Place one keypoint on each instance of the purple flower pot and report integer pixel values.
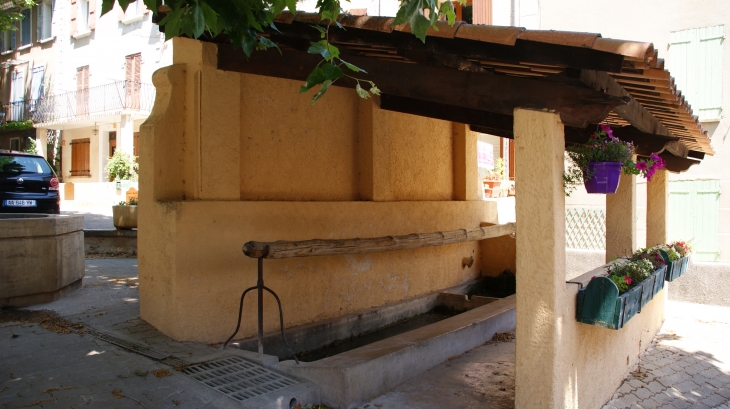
(605, 177)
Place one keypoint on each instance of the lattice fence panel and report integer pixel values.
(585, 228)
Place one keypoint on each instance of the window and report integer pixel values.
(83, 17)
(695, 61)
(80, 157)
(36, 82)
(45, 17)
(14, 144)
(134, 9)
(25, 28)
(112, 143)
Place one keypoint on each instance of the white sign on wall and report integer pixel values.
(485, 155)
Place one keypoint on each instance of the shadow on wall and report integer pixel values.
(668, 375)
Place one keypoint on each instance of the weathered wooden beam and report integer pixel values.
(577, 105)
(633, 112)
(307, 248)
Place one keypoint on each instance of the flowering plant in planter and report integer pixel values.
(654, 255)
(628, 274)
(604, 147)
(682, 248)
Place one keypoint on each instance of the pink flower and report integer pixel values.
(649, 173)
(641, 165)
(628, 280)
(607, 129)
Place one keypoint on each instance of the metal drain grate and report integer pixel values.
(176, 363)
(134, 347)
(238, 378)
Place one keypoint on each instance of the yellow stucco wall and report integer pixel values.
(228, 157)
(561, 363)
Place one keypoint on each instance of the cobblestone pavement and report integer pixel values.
(687, 365)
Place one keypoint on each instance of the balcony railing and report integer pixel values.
(109, 99)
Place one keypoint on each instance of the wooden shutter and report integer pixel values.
(695, 61)
(482, 12)
(74, 19)
(92, 14)
(82, 90)
(80, 157)
(136, 144)
(132, 70)
(694, 215)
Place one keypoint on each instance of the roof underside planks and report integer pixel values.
(478, 74)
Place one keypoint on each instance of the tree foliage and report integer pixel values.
(245, 23)
(12, 14)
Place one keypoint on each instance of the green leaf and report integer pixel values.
(268, 43)
(151, 4)
(249, 43)
(447, 9)
(322, 90)
(292, 5)
(322, 30)
(199, 20)
(419, 26)
(374, 90)
(124, 4)
(106, 6)
(323, 48)
(317, 76)
(328, 9)
(353, 67)
(361, 92)
(211, 18)
(407, 11)
(332, 72)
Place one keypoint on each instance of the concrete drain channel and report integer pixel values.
(232, 376)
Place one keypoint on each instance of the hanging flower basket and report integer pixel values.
(604, 177)
(600, 304)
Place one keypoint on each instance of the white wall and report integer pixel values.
(104, 51)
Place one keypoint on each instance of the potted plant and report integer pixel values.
(676, 256)
(598, 163)
(121, 166)
(124, 214)
(613, 300)
(493, 181)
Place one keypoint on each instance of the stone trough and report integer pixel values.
(42, 257)
(348, 379)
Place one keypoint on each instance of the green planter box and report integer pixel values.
(675, 269)
(600, 304)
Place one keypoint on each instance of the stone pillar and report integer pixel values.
(466, 174)
(657, 209)
(41, 140)
(125, 136)
(621, 219)
(102, 154)
(540, 252)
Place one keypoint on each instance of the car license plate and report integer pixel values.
(20, 203)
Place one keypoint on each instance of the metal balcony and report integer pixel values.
(103, 100)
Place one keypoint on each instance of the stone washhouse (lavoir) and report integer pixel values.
(232, 154)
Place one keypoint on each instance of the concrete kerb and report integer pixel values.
(353, 377)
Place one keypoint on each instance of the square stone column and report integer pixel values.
(41, 139)
(621, 219)
(540, 235)
(657, 209)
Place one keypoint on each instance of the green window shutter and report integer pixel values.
(694, 215)
(696, 64)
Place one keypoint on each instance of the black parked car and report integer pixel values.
(27, 184)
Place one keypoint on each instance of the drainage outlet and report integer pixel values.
(238, 378)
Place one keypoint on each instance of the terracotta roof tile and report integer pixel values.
(568, 38)
(631, 49)
(489, 34)
(444, 29)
